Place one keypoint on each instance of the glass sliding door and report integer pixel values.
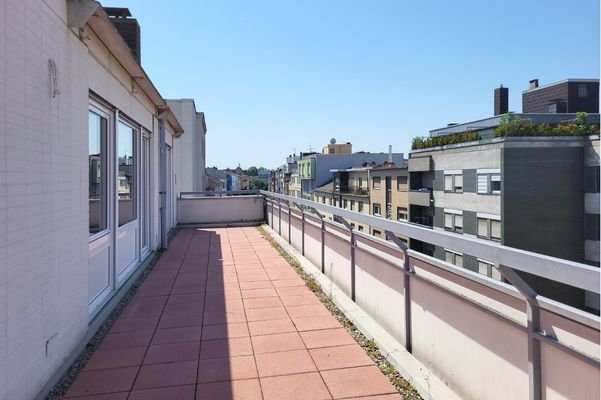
(100, 265)
(145, 193)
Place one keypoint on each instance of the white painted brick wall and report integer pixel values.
(43, 195)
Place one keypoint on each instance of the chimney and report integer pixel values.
(533, 84)
(501, 100)
(128, 28)
(389, 153)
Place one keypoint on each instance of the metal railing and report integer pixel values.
(507, 260)
(187, 195)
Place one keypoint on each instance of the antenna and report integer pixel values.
(333, 141)
(310, 148)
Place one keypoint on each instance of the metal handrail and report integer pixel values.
(219, 193)
(568, 272)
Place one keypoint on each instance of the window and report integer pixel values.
(401, 183)
(352, 225)
(360, 182)
(376, 233)
(360, 228)
(97, 163)
(126, 156)
(352, 205)
(377, 182)
(453, 182)
(453, 221)
(401, 213)
(344, 203)
(489, 228)
(377, 209)
(489, 183)
(323, 200)
(453, 257)
(582, 91)
(488, 269)
(360, 206)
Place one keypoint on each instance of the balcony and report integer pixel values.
(421, 197)
(223, 315)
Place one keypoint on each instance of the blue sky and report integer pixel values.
(277, 76)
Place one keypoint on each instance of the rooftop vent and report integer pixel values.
(128, 28)
(533, 83)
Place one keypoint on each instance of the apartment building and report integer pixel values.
(190, 151)
(388, 194)
(524, 192)
(567, 96)
(315, 169)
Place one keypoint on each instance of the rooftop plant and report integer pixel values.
(512, 125)
(433, 141)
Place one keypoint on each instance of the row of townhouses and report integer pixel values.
(92, 158)
(536, 189)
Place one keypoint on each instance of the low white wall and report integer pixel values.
(220, 210)
(478, 355)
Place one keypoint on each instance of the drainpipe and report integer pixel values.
(163, 179)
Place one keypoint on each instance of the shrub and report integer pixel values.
(434, 141)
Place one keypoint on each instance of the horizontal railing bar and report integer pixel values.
(220, 193)
(568, 272)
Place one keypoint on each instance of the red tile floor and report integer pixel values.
(223, 316)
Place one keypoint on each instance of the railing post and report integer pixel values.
(533, 314)
(302, 227)
(407, 272)
(352, 244)
(323, 238)
(279, 217)
(272, 212)
(289, 222)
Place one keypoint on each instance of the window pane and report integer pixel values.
(482, 183)
(401, 182)
(127, 171)
(483, 268)
(376, 182)
(449, 257)
(495, 274)
(458, 180)
(448, 183)
(448, 221)
(459, 260)
(459, 222)
(495, 183)
(97, 172)
(483, 227)
(495, 229)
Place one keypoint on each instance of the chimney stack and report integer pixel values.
(128, 28)
(390, 153)
(501, 100)
(533, 84)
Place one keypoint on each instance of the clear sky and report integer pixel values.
(277, 76)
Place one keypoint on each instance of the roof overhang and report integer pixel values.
(99, 22)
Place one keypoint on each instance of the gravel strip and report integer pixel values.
(371, 348)
(60, 389)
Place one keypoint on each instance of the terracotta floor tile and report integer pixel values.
(224, 304)
(265, 314)
(314, 323)
(173, 352)
(126, 339)
(284, 363)
(134, 324)
(270, 327)
(311, 310)
(177, 335)
(378, 397)
(163, 375)
(254, 293)
(294, 291)
(184, 308)
(256, 285)
(116, 358)
(226, 369)
(277, 342)
(295, 387)
(185, 288)
(340, 357)
(111, 396)
(142, 310)
(103, 381)
(306, 299)
(326, 338)
(197, 298)
(224, 331)
(180, 320)
(248, 389)
(224, 317)
(357, 382)
(221, 348)
(262, 302)
(170, 393)
(291, 282)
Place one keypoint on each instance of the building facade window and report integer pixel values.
(377, 182)
(376, 233)
(127, 158)
(344, 203)
(377, 209)
(401, 213)
(489, 228)
(453, 222)
(453, 257)
(582, 91)
(352, 205)
(360, 182)
(360, 228)
(489, 182)
(97, 160)
(453, 182)
(401, 183)
(487, 268)
(360, 206)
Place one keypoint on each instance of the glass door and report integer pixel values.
(145, 193)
